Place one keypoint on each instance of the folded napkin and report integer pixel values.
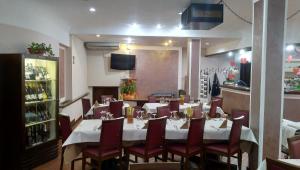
(96, 103)
(224, 124)
(185, 125)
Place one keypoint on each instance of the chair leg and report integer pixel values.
(187, 164)
(146, 159)
(120, 162)
(202, 162)
(62, 158)
(240, 160)
(83, 163)
(172, 157)
(99, 166)
(72, 165)
(228, 163)
(155, 158)
(135, 159)
(181, 163)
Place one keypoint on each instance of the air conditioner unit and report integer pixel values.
(101, 45)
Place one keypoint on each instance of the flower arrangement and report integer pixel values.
(128, 88)
(40, 48)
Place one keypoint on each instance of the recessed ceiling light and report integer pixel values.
(207, 43)
(166, 43)
(290, 47)
(158, 26)
(170, 41)
(92, 9)
(179, 13)
(98, 35)
(230, 54)
(129, 40)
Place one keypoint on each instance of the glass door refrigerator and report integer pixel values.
(29, 109)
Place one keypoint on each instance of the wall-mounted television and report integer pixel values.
(122, 62)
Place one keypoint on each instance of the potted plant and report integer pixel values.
(128, 89)
(40, 49)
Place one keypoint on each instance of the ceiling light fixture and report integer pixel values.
(179, 13)
(158, 26)
(230, 54)
(98, 35)
(170, 41)
(166, 43)
(92, 9)
(290, 47)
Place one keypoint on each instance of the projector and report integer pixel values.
(201, 16)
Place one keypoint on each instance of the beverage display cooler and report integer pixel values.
(29, 109)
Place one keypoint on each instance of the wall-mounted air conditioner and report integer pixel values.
(101, 45)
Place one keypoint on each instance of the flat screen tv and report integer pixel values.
(122, 62)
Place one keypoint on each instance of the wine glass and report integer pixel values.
(154, 115)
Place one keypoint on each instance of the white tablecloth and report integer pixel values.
(88, 131)
(91, 111)
(295, 162)
(152, 107)
(288, 130)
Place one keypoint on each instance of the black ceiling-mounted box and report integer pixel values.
(202, 16)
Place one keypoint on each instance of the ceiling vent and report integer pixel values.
(102, 45)
(200, 16)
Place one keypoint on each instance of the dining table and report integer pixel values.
(94, 106)
(88, 131)
(295, 162)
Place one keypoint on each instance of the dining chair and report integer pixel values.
(106, 97)
(110, 145)
(239, 113)
(151, 99)
(65, 131)
(197, 112)
(220, 104)
(155, 141)
(163, 111)
(187, 98)
(86, 106)
(294, 147)
(98, 111)
(213, 108)
(230, 147)
(279, 165)
(194, 144)
(115, 108)
(174, 105)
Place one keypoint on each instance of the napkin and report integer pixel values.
(146, 125)
(185, 125)
(96, 103)
(224, 124)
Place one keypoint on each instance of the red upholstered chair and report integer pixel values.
(106, 97)
(213, 108)
(65, 131)
(110, 144)
(155, 141)
(220, 104)
(279, 165)
(239, 113)
(98, 111)
(115, 108)
(174, 105)
(294, 147)
(194, 144)
(151, 99)
(86, 106)
(187, 98)
(232, 146)
(163, 111)
(197, 112)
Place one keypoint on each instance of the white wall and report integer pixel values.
(79, 77)
(15, 39)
